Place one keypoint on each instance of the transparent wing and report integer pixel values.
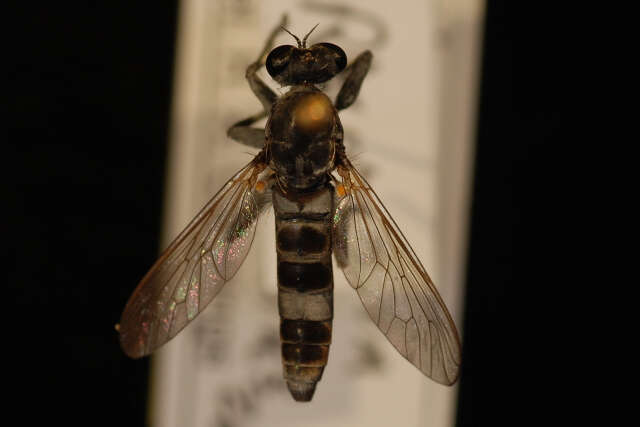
(193, 269)
(392, 284)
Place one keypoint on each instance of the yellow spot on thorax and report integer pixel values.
(313, 111)
(341, 190)
(260, 186)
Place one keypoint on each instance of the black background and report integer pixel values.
(88, 108)
(513, 349)
(89, 113)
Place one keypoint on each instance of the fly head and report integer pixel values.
(290, 65)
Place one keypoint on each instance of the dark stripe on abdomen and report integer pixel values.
(304, 276)
(305, 331)
(310, 355)
(303, 240)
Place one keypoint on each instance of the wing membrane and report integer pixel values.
(193, 269)
(392, 284)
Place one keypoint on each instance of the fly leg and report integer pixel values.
(356, 72)
(242, 131)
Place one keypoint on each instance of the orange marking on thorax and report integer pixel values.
(260, 186)
(313, 111)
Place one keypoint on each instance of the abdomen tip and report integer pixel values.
(301, 391)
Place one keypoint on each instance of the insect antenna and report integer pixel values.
(301, 44)
(293, 35)
(304, 40)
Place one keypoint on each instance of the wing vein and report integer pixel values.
(177, 287)
(414, 299)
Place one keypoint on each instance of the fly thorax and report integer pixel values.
(302, 133)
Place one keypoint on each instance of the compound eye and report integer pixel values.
(337, 54)
(278, 60)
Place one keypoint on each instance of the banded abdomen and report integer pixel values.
(305, 286)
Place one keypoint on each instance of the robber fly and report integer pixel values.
(316, 213)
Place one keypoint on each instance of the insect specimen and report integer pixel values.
(322, 206)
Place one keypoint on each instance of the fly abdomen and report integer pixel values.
(305, 287)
